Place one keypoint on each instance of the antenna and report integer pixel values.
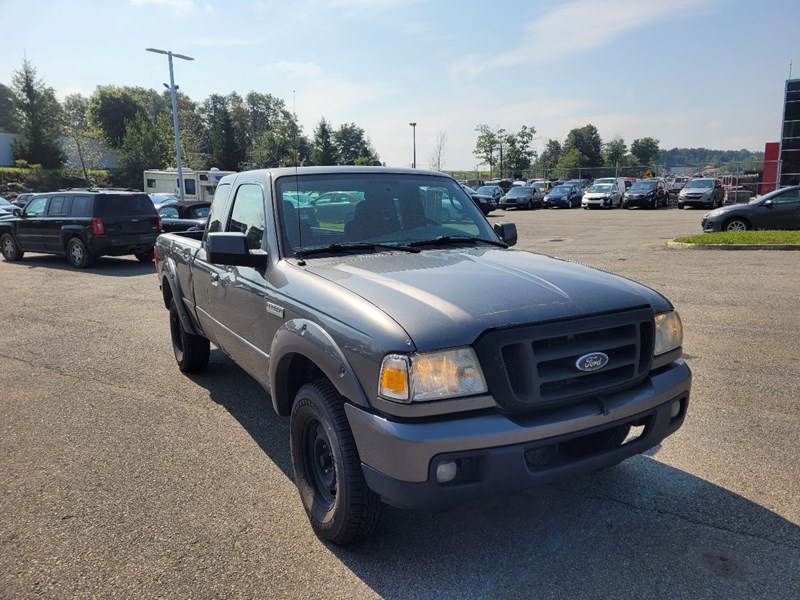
(790, 68)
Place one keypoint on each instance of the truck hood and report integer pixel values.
(446, 298)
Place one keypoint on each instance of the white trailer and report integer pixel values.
(198, 185)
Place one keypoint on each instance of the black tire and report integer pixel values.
(11, 250)
(327, 468)
(736, 224)
(191, 351)
(146, 256)
(78, 254)
(529, 204)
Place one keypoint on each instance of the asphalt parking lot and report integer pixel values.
(119, 476)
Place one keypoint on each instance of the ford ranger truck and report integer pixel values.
(420, 359)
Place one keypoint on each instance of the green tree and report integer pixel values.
(614, 152)
(81, 138)
(518, 154)
(148, 143)
(111, 109)
(487, 145)
(586, 140)
(323, 148)
(38, 115)
(548, 159)
(352, 144)
(7, 121)
(570, 163)
(645, 150)
(223, 146)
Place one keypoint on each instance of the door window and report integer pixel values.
(218, 208)
(59, 207)
(35, 208)
(787, 197)
(248, 214)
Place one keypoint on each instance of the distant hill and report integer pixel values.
(704, 156)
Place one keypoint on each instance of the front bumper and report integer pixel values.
(701, 202)
(399, 459)
(602, 202)
(711, 225)
(554, 203)
(641, 202)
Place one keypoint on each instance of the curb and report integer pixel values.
(685, 246)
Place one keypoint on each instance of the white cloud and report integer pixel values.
(575, 27)
(303, 70)
(176, 7)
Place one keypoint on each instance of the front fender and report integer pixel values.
(306, 339)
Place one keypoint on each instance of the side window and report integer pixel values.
(35, 208)
(248, 215)
(787, 197)
(168, 212)
(151, 183)
(59, 206)
(189, 186)
(81, 206)
(218, 207)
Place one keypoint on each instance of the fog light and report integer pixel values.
(675, 409)
(446, 471)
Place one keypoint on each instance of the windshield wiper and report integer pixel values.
(352, 247)
(444, 240)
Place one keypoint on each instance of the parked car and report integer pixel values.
(418, 364)
(646, 193)
(487, 197)
(543, 186)
(563, 196)
(705, 192)
(526, 197)
(336, 207)
(603, 194)
(180, 216)
(6, 208)
(82, 224)
(581, 184)
(678, 184)
(303, 205)
(777, 210)
(160, 199)
(22, 199)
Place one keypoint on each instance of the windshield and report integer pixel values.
(487, 189)
(700, 184)
(389, 209)
(518, 191)
(4, 202)
(600, 187)
(561, 189)
(644, 186)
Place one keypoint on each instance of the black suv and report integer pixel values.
(83, 224)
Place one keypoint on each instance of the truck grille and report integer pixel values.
(535, 366)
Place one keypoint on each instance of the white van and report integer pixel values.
(198, 185)
(605, 192)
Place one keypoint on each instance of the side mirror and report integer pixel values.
(506, 232)
(768, 203)
(231, 249)
(17, 212)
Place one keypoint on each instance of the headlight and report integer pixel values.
(669, 332)
(431, 376)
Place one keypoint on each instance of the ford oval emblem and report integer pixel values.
(592, 361)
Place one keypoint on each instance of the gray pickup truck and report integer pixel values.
(421, 361)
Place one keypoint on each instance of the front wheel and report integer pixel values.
(736, 224)
(191, 351)
(327, 468)
(77, 254)
(11, 251)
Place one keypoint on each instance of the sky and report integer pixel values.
(690, 73)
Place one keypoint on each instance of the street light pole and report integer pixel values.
(414, 137)
(175, 126)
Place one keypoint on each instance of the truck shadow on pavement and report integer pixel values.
(640, 529)
(109, 266)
